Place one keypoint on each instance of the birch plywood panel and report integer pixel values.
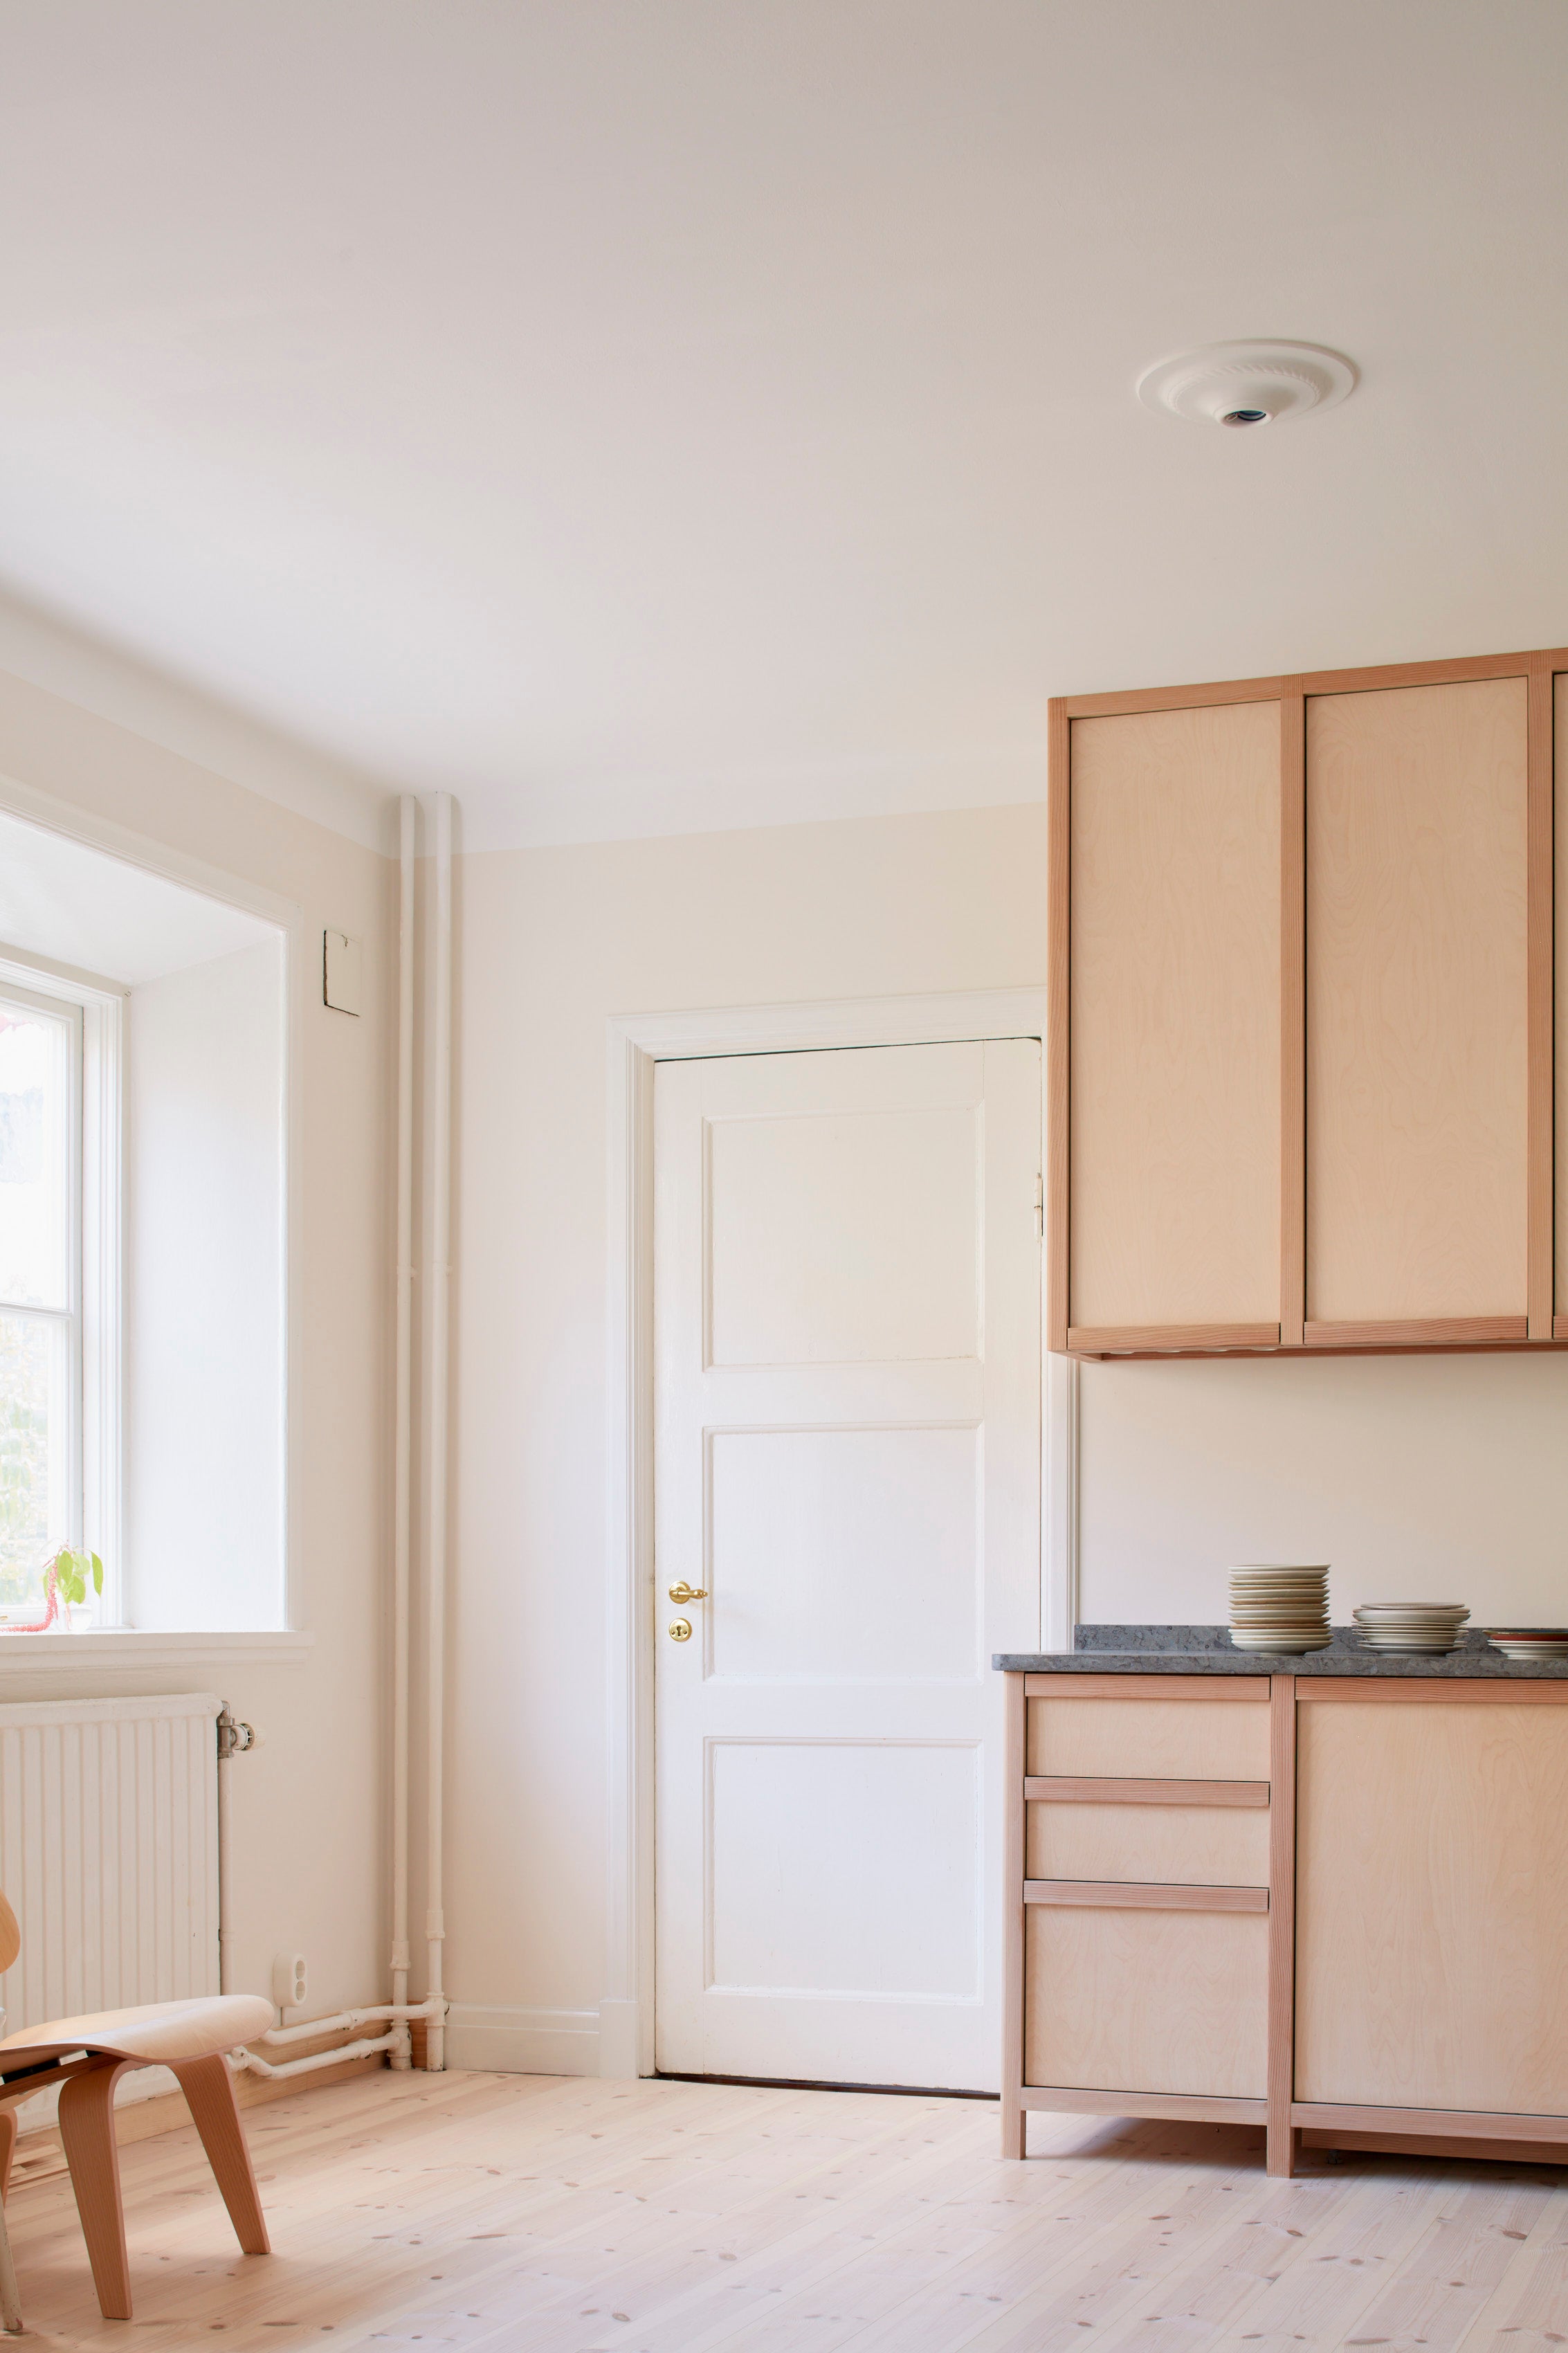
(1560, 862)
(1416, 1082)
(1432, 1906)
(1145, 2000)
(1207, 1846)
(1176, 1017)
(1153, 1739)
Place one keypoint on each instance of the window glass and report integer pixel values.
(35, 1163)
(36, 1251)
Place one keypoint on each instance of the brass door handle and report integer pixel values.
(682, 1593)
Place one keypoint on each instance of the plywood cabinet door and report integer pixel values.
(1416, 1011)
(1174, 1020)
(1432, 1905)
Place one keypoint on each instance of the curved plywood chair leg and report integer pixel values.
(10, 2295)
(208, 2088)
(86, 2129)
(7, 2149)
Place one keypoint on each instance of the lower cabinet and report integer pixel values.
(1432, 1904)
(1327, 1905)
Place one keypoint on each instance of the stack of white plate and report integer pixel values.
(1411, 1625)
(1279, 1609)
(1530, 1641)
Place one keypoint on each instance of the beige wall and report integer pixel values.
(553, 942)
(310, 1812)
(1408, 1475)
(1418, 1478)
(1449, 1475)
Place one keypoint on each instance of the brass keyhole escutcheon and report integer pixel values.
(681, 1629)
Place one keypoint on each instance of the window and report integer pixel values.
(41, 1289)
(144, 1057)
(53, 1408)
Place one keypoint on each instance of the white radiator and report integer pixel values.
(109, 1851)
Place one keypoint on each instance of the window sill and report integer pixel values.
(130, 1650)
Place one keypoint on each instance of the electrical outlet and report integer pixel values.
(289, 1982)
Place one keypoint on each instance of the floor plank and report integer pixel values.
(542, 2215)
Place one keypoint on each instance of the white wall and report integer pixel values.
(203, 1437)
(309, 1804)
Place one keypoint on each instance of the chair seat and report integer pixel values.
(159, 2033)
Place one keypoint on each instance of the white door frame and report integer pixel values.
(637, 1043)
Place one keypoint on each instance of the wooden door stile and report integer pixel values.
(1058, 1031)
(1539, 1045)
(1292, 1013)
(1015, 2127)
(1282, 2142)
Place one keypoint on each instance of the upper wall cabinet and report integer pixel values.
(1301, 1050)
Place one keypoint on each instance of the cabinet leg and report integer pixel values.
(1284, 2145)
(1014, 2126)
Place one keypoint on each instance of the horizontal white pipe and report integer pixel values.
(344, 2017)
(246, 2063)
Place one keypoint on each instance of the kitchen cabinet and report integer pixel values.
(1302, 1052)
(1325, 1903)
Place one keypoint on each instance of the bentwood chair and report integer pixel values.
(86, 2057)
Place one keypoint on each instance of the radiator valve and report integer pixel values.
(233, 1737)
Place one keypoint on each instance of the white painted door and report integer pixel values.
(846, 1343)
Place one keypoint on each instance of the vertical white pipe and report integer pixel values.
(225, 1871)
(440, 1252)
(404, 1418)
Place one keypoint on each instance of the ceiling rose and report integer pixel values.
(1247, 385)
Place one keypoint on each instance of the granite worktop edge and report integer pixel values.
(1206, 1651)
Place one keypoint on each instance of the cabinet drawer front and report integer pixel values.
(1137, 2001)
(1151, 1739)
(1214, 1846)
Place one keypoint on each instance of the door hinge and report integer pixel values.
(1039, 1209)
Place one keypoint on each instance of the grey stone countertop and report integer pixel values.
(1206, 1651)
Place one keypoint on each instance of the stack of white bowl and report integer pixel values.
(1279, 1609)
(1411, 1625)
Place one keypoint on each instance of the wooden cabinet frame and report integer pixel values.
(1436, 2131)
(1294, 1332)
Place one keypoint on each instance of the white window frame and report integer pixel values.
(95, 1383)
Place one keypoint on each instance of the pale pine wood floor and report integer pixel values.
(512, 2212)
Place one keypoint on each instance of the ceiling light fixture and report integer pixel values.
(1243, 385)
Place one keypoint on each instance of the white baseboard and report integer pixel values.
(517, 2042)
(620, 2037)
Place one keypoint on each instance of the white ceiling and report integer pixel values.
(638, 416)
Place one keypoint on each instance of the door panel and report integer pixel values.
(846, 1370)
(1176, 1017)
(1415, 1002)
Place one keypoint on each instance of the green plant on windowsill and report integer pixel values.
(66, 1580)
